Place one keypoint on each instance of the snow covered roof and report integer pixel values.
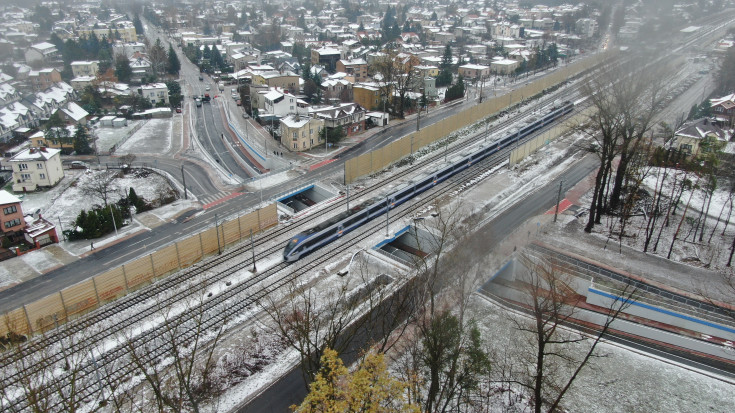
(38, 227)
(700, 129)
(35, 154)
(153, 86)
(295, 121)
(726, 101)
(75, 111)
(474, 67)
(4, 77)
(45, 47)
(7, 198)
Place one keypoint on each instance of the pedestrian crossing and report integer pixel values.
(211, 200)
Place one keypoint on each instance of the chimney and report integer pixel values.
(43, 149)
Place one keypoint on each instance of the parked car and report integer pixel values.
(78, 165)
(178, 109)
(199, 102)
(239, 102)
(201, 78)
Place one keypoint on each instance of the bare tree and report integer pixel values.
(310, 321)
(553, 302)
(101, 185)
(444, 359)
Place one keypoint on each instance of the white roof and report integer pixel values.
(154, 86)
(35, 154)
(75, 111)
(474, 67)
(7, 198)
(295, 121)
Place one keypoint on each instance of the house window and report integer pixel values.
(23, 166)
(11, 224)
(686, 148)
(295, 135)
(304, 145)
(42, 176)
(311, 131)
(10, 210)
(312, 142)
(25, 177)
(39, 165)
(295, 145)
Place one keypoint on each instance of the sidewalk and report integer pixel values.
(36, 263)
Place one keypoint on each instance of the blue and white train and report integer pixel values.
(328, 231)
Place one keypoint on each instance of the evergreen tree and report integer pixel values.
(445, 75)
(81, 141)
(174, 66)
(138, 25)
(123, 71)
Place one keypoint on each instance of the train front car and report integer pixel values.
(292, 253)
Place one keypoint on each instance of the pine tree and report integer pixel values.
(81, 141)
(174, 66)
(123, 71)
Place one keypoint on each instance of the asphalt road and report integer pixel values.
(290, 388)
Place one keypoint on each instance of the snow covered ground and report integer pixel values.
(107, 136)
(153, 138)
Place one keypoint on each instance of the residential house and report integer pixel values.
(586, 27)
(337, 90)
(368, 95)
(44, 78)
(43, 104)
(15, 116)
(326, 56)
(41, 53)
(123, 30)
(40, 232)
(85, 68)
(357, 68)
(280, 104)
(80, 82)
(73, 114)
(350, 116)
(55, 138)
(699, 137)
(35, 168)
(301, 133)
(156, 93)
(8, 94)
(503, 66)
(11, 215)
(287, 81)
(425, 70)
(723, 109)
(472, 71)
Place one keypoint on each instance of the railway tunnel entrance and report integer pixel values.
(305, 198)
(410, 245)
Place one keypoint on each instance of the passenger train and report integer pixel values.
(328, 231)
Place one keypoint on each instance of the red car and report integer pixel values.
(178, 110)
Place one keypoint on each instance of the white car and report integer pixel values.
(206, 88)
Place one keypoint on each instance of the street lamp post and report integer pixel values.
(112, 215)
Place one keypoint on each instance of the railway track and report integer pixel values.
(85, 324)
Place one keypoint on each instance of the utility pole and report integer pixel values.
(183, 180)
(216, 229)
(481, 82)
(558, 200)
(348, 198)
(252, 246)
(387, 217)
(112, 215)
(418, 119)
